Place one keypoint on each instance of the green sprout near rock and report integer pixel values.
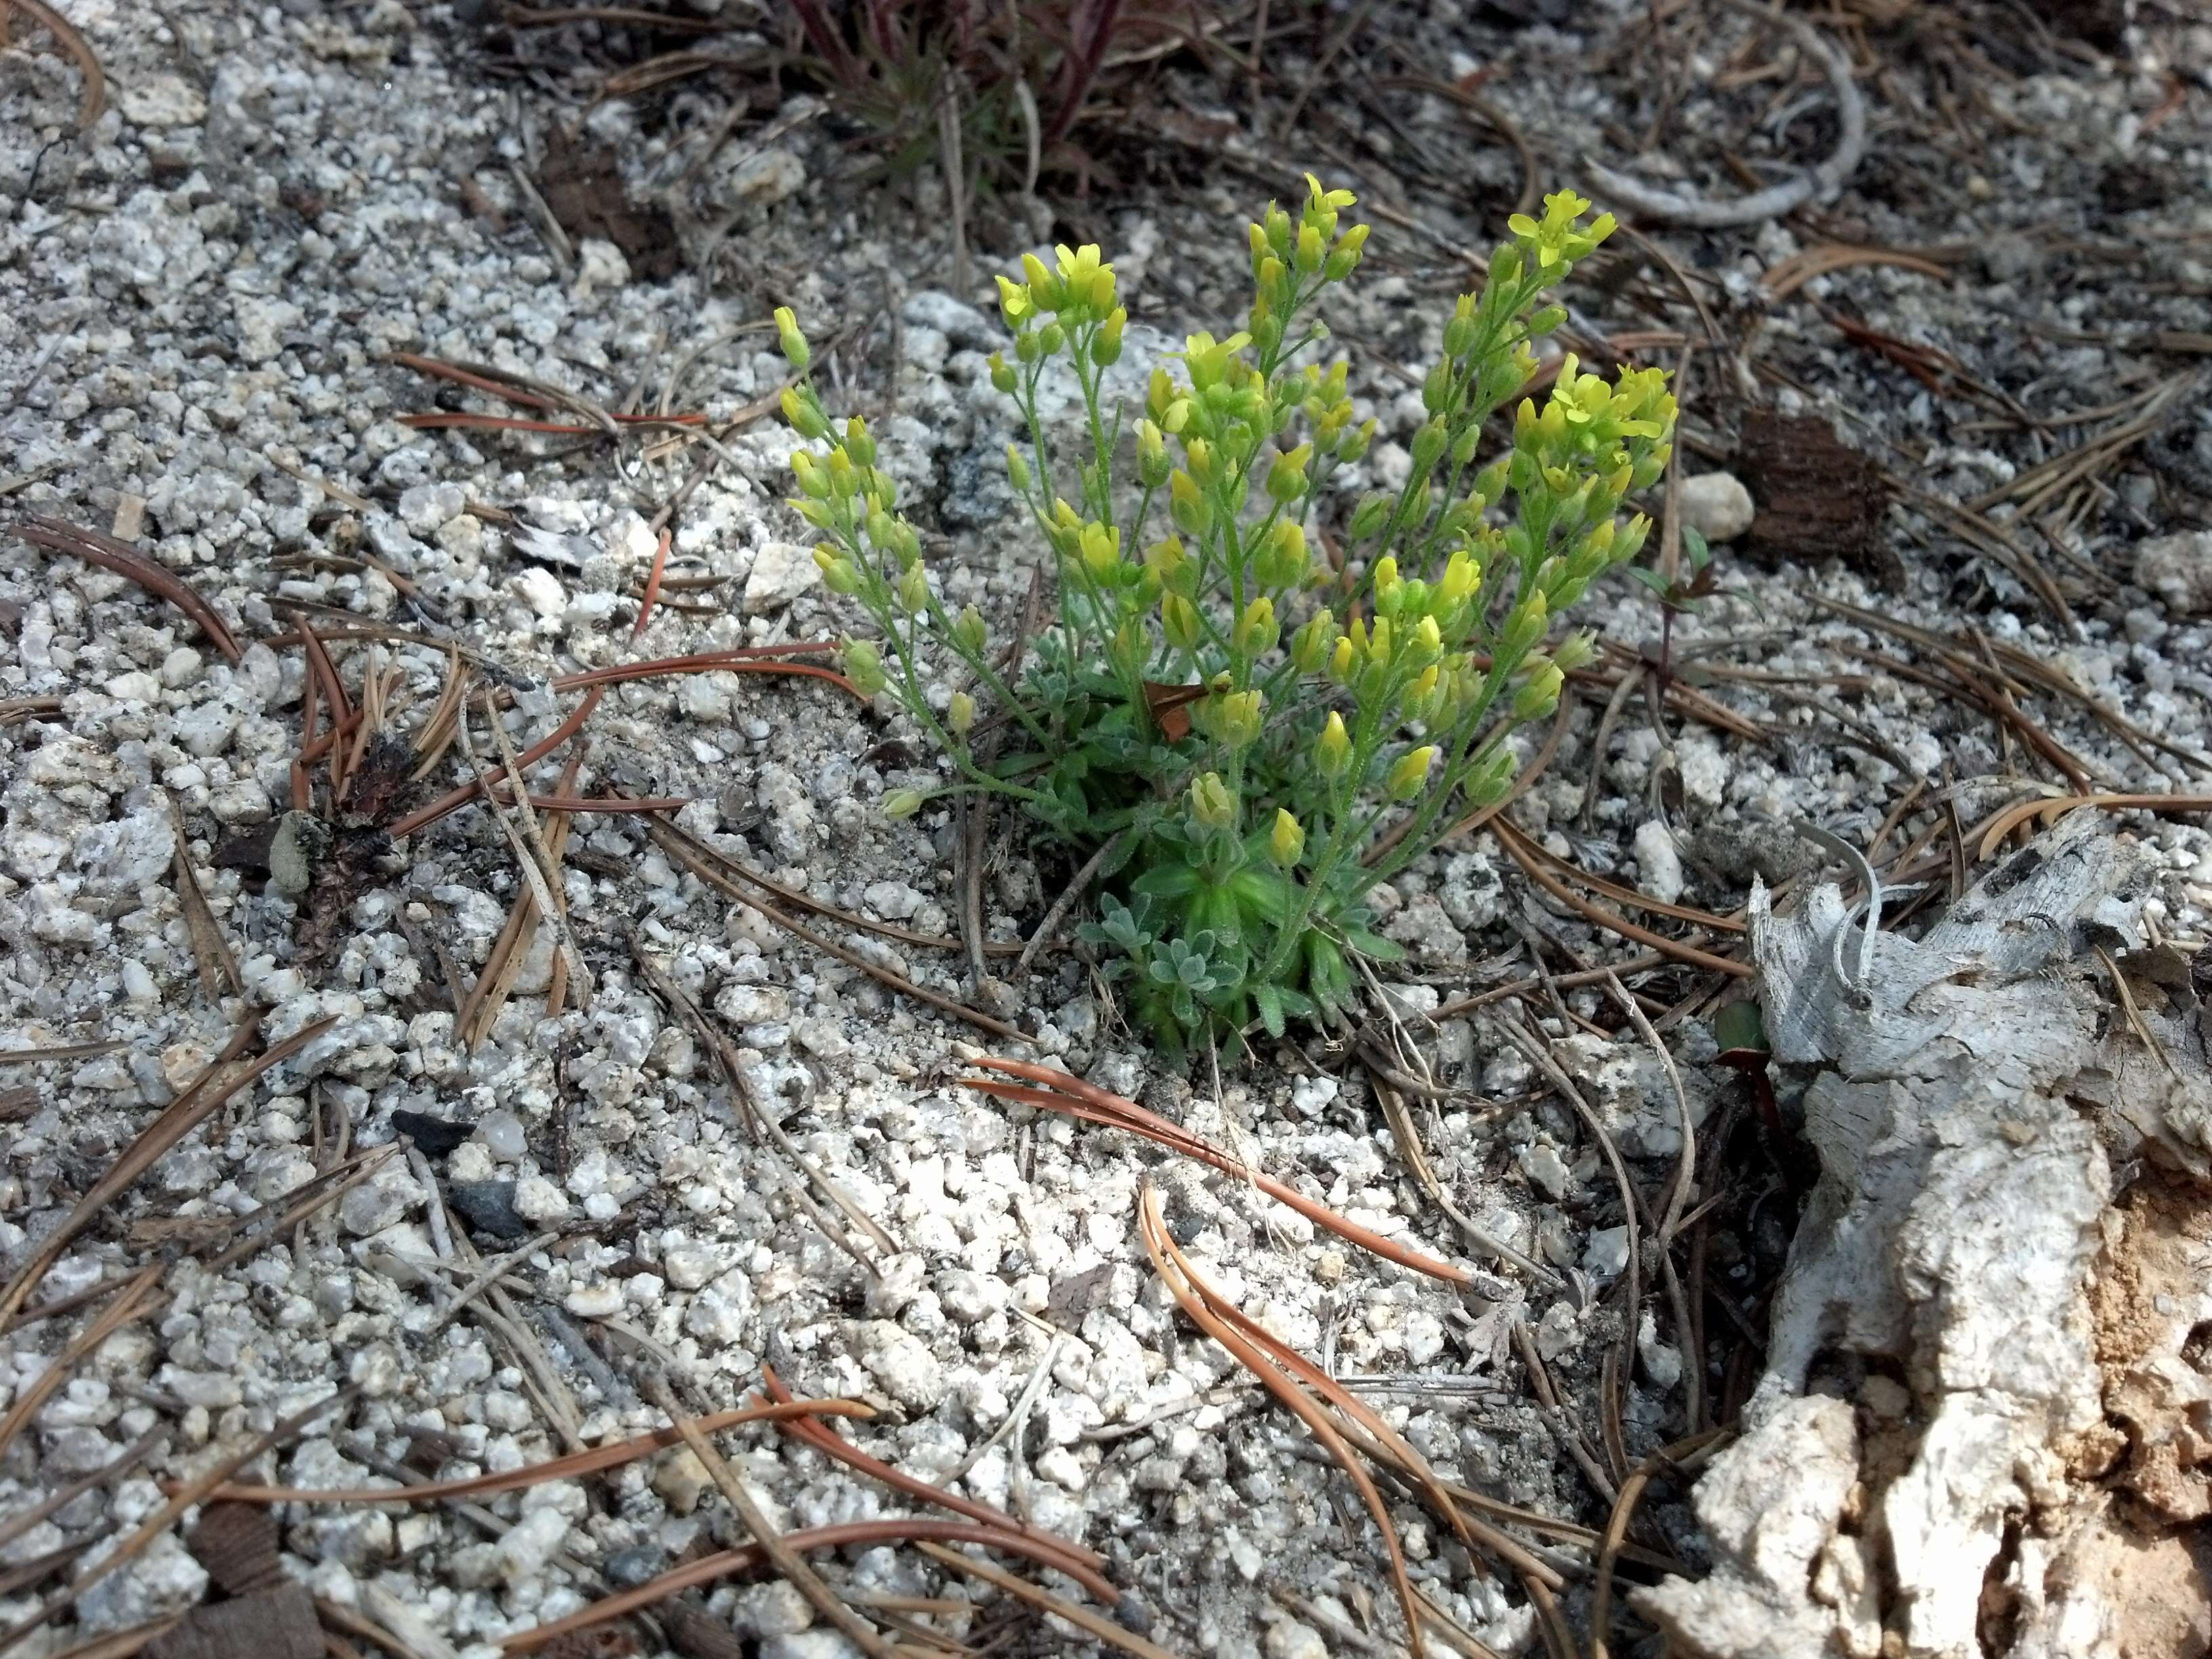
(1269, 735)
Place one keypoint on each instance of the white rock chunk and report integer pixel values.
(1658, 861)
(781, 572)
(2178, 569)
(1716, 505)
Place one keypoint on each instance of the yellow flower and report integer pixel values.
(1286, 843)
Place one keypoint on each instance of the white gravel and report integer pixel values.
(196, 303)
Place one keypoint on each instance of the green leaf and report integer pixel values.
(1374, 946)
(1167, 881)
(1269, 1001)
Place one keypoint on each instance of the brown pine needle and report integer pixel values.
(573, 1467)
(789, 1564)
(1081, 1618)
(191, 1494)
(530, 757)
(59, 535)
(117, 1313)
(2053, 808)
(1060, 1093)
(215, 1086)
(211, 952)
(890, 1530)
(94, 99)
(682, 848)
(653, 585)
(1612, 920)
(1193, 1303)
(708, 663)
(1081, 1563)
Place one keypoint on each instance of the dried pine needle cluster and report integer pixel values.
(1269, 733)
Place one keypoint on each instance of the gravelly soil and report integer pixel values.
(201, 295)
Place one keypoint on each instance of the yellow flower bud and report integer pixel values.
(1106, 346)
(1526, 626)
(1256, 629)
(1044, 288)
(1152, 455)
(1378, 643)
(1017, 470)
(914, 588)
(1311, 645)
(858, 442)
(1100, 549)
(1410, 772)
(960, 714)
(795, 350)
(1179, 621)
(803, 414)
(1282, 560)
(1237, 720)
(837, 573)
(1427, 643)
(806, 467)
(864, 668)
(1343, 662)
(1211, 804)
(1462, 575)
(1286, 477)
(1287, 842)
(968, 631)
(1187, 505)
(1538, 694)
(1332, 750)
(1422, 696)
(1576, 651)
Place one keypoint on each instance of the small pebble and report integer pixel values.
(501, 1134)
(1716, 505)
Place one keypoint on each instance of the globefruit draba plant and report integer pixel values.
(1251, 771)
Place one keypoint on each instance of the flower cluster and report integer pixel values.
(1270, 732)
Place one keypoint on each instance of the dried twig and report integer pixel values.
(1817, 182)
